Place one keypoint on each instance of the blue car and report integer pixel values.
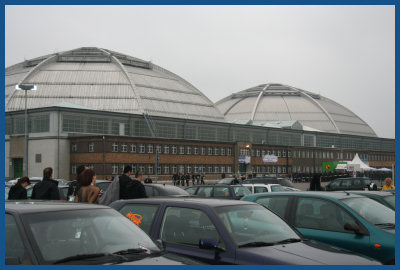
(228, 232)
(342, 219)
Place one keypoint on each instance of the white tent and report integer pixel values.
(383, 170)
(358, 165)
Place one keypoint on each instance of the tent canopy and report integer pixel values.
(358, 165)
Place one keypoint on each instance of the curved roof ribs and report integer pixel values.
(257, 102)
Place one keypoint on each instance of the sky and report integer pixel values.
(345, 53)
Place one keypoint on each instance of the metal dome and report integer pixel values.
(277, 102)
(101, 79)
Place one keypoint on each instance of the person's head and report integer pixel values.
(127, 170)
(87, 177)
(388, 181)
(138, 175)
(48, 173)
(24, 181)
(80, 169)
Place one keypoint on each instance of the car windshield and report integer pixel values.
(276, 188)
(390, 200)
(374, 212)
(241, 191)
(225, 181)
(63, 234)
(254, 224)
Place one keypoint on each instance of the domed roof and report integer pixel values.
(101, 79)
(277, 102)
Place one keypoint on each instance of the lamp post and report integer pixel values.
(26, 88)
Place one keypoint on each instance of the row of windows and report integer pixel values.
(36, 124)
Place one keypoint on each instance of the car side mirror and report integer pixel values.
(210, 243)
(351, 226)
(160, 244)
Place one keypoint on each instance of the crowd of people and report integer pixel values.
(179, 179)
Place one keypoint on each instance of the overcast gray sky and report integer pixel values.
(345, 53)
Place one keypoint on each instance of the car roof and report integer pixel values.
(102, 181)
(190, 201)
(320, 194)
(32, 206)
(260, 185)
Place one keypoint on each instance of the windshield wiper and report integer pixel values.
(385, 224)
(289, 240)
(89, 256)
(257, 244)
(132, 251)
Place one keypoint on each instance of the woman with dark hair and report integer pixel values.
(18, 191)
(87, 193)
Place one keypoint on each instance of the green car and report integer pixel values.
(342, 219)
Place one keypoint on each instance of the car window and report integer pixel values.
(241, 191)
(357, 182)
(390, 200)
(103, 186)
(335, 183)
(204, 192)
(191, 190)
(276, 188)
(140, 214)
(187, 226)
(276, 204)
(367, 182)
(346, 183)
(221, 192)
(248, 187)
(260, 189)
(13, 243)
(319, 214)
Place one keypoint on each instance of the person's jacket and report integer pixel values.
(130, 189)
(47, 189)
(17, 192)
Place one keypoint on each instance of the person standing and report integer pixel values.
(74, 185)
(137, 188)
(315, 183)
(47, 189)
(388, 184)
(148, 180)
(87, 193)
(18, 191)
(129, 188)
(187, 178)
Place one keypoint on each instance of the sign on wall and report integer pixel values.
(270, 158)
(245, 159)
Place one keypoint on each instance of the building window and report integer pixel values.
(189, 169)
(150, 169)
(114, 169)
(229, 151)
(158, 148)
(289, 153)
(210, 151)
(174, 169)
(142, 168)
(124, 147)
(203, 151)
(222, 169)
(38, 158)
(252, 152)
(181, 168)
(142, 148)
(74, 147)
(279, 153)
(166, 149)
(133, 168)
(73, 169)
(91, 147)
(150, 148)
(114, 147)
(216, 151)
(222, 151)
(294, 153)
(133, 148)
(174, 149)
(283, 169)
(284, 153)
(196, 168)
(159, 170)
(216, 169)
(210, 169)
(258, 152)
(228, 169)
(166, 169)
(188, 150)
(181, 150)
(196, 150)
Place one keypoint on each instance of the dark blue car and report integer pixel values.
(228, 232)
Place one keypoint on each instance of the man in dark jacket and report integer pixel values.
(18, 191)
(129, 188)
(47, 189)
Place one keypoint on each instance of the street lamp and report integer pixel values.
(26, 88)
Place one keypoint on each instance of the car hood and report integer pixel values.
(302, 253)
(166, 259)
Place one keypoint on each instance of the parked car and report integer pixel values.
(70, 233)
(350, 183)
(260, 188)
(341, 219)
(269, 180)
(230, 181)
(154, 190)
(102, 185)
(62, 189)
(232, 192)
(33, 180)
(228, 232)
(385, 198)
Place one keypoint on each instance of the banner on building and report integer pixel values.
(270, 158)
(330, 166)
(245, 159)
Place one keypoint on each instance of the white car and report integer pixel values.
(260, 188)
